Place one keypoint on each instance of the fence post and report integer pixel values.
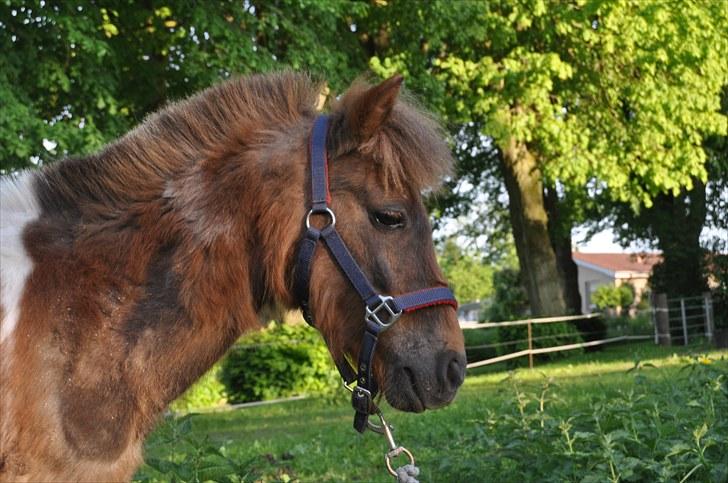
(708, 308)
(662, 318)
(684, 321)
(653, 305)
(530, 347)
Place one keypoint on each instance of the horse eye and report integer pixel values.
(390, 219)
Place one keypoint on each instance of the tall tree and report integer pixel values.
(562, 214)
(675, 223)
(592, 96)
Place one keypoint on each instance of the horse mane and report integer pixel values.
(226, 118)
(231, 117)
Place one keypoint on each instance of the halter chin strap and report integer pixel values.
(380, 311)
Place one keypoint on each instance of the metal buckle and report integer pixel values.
(361, 400)
(349, 386)
(373, 315)
(326, 211)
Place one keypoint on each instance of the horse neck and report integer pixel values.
(237, 217)
(190, 254)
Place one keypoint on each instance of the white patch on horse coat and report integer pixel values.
(18, 208)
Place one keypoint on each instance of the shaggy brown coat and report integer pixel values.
(151, 257)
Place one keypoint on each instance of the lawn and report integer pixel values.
(628, 413)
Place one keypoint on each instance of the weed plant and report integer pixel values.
(661, 429)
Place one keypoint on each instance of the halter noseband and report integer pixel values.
(381, 311)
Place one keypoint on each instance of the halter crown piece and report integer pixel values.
(380, 311)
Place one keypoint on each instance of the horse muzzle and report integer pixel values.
(416, 383)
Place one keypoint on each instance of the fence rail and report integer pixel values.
(541, 320)
(545, 350)
(530, 339)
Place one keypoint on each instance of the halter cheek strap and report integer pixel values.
(380, 311)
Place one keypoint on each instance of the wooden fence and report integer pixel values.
(673, 320)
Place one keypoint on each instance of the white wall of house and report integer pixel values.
(470, 311)
(591, 277)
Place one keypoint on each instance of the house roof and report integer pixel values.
(618, 262)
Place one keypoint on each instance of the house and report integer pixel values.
(597, 269)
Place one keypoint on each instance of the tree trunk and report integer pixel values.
(677, 222)
(530, 231)
(560, 233)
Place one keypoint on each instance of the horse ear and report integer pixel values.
(372, 108)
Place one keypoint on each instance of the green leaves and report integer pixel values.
(596, 90)
(640, 432)
(470, 278)
(82, 75)
(609, 296)
(195, 460)
(207, 392)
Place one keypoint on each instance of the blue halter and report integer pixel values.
(380, 311)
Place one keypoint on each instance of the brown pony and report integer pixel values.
(128, 273)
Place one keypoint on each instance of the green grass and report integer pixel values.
(629, 413)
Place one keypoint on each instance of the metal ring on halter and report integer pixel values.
(393, 454)
(377, 428)
(321, 212)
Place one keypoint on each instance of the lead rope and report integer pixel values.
(406, 473)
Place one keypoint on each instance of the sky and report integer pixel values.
(602, 242)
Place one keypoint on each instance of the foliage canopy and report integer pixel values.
(78, 76)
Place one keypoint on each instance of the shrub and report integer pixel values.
(640, 324)
(645, 300)
(593, 328)
(194, 458)
(610, 297)
(510, 301)
(207, 392)
(280, 361)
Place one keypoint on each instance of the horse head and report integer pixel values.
(384, 155)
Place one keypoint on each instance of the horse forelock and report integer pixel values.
(409, 148)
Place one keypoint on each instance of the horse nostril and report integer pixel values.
(455, 371)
